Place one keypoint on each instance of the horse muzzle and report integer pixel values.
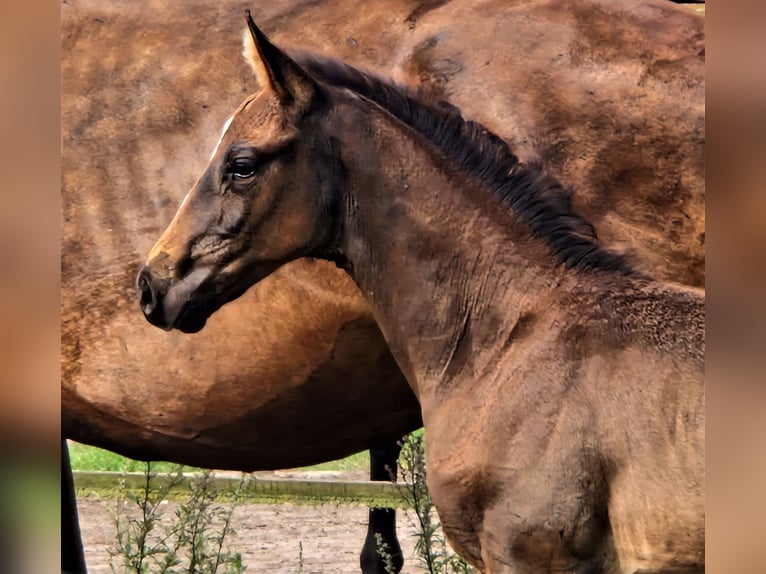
(151, 293)
(172, 304)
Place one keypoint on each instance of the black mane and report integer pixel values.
(533, 195)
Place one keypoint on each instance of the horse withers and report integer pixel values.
(562, 391)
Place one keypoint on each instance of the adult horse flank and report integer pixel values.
(561, 391)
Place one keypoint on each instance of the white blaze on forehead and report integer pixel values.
(223, 133)
(212, 155)
(183, 201)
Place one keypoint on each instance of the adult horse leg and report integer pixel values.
(383, 466)
(72, 553)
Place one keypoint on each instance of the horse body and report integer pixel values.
(216, 400)
(561, 391)
(173, 69)
(609, 95)
(591, 441)
(322, 383)
(244, 398)
(584, 426)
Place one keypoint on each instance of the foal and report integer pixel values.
(562, 393)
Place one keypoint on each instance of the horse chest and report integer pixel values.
(531, 490)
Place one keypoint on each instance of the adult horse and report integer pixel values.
(234, 398)
(173, 70)
(562, 391)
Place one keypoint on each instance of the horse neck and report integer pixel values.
(440, 260)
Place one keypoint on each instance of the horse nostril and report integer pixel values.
(147, 294)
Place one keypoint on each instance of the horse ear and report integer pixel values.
(275, 70)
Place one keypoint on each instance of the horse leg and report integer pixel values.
(72, 552)
(383, 466)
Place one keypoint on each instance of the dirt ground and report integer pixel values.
(278, 539)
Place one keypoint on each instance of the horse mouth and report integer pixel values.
(188, 314)
(190, 322)
(187, 318)
(187, 304)
(184, 305)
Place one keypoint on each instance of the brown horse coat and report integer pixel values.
(562, 391)
(610, 95)
(174, 71)
(250, 393)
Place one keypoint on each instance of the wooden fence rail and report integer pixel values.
(254, 489)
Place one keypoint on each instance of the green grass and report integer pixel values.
(358, 461)
(84, 457)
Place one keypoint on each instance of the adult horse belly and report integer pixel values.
(253, 392)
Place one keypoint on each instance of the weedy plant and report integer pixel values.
(384, 551)
(300, 557)
(191, 543)
(431, 547)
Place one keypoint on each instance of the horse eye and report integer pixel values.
(243, 168)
